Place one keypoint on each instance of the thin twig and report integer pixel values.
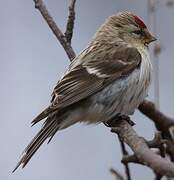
(70, 21)
(55, 29)
(117, 175)
(125, 153)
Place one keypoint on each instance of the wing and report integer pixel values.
(91, 76)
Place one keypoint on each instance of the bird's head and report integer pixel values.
(127, 27)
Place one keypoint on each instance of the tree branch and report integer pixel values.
(55, 29)
(162, 122)
(142, 151)
(70, 21)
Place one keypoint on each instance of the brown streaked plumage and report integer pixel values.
(111, 76)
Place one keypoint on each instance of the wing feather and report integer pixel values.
(91, 76)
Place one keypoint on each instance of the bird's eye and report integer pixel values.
(138, 32)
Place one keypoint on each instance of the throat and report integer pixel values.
(146, 66)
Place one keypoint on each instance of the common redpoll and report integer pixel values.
(109, 78)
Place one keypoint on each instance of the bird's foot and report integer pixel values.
(126, 118)
(114, 121)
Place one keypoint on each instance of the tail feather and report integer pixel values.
(55, 121)
(43, 115)
(48, 130)
(52, 134)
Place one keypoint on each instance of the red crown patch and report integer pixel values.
(139, 22)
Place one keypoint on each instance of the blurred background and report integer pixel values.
(31, 62)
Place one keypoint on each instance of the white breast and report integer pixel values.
(139, 90)
(146, 65)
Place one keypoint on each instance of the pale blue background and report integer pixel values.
(31, 61)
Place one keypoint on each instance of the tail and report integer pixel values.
(49, 129)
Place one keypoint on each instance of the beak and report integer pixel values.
(149, 37)
(152, 38)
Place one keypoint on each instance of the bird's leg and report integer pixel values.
(114, 121)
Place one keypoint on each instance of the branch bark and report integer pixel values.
(125, 153)
(70, 21)
(55, 29)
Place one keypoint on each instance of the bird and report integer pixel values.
(107, 80)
